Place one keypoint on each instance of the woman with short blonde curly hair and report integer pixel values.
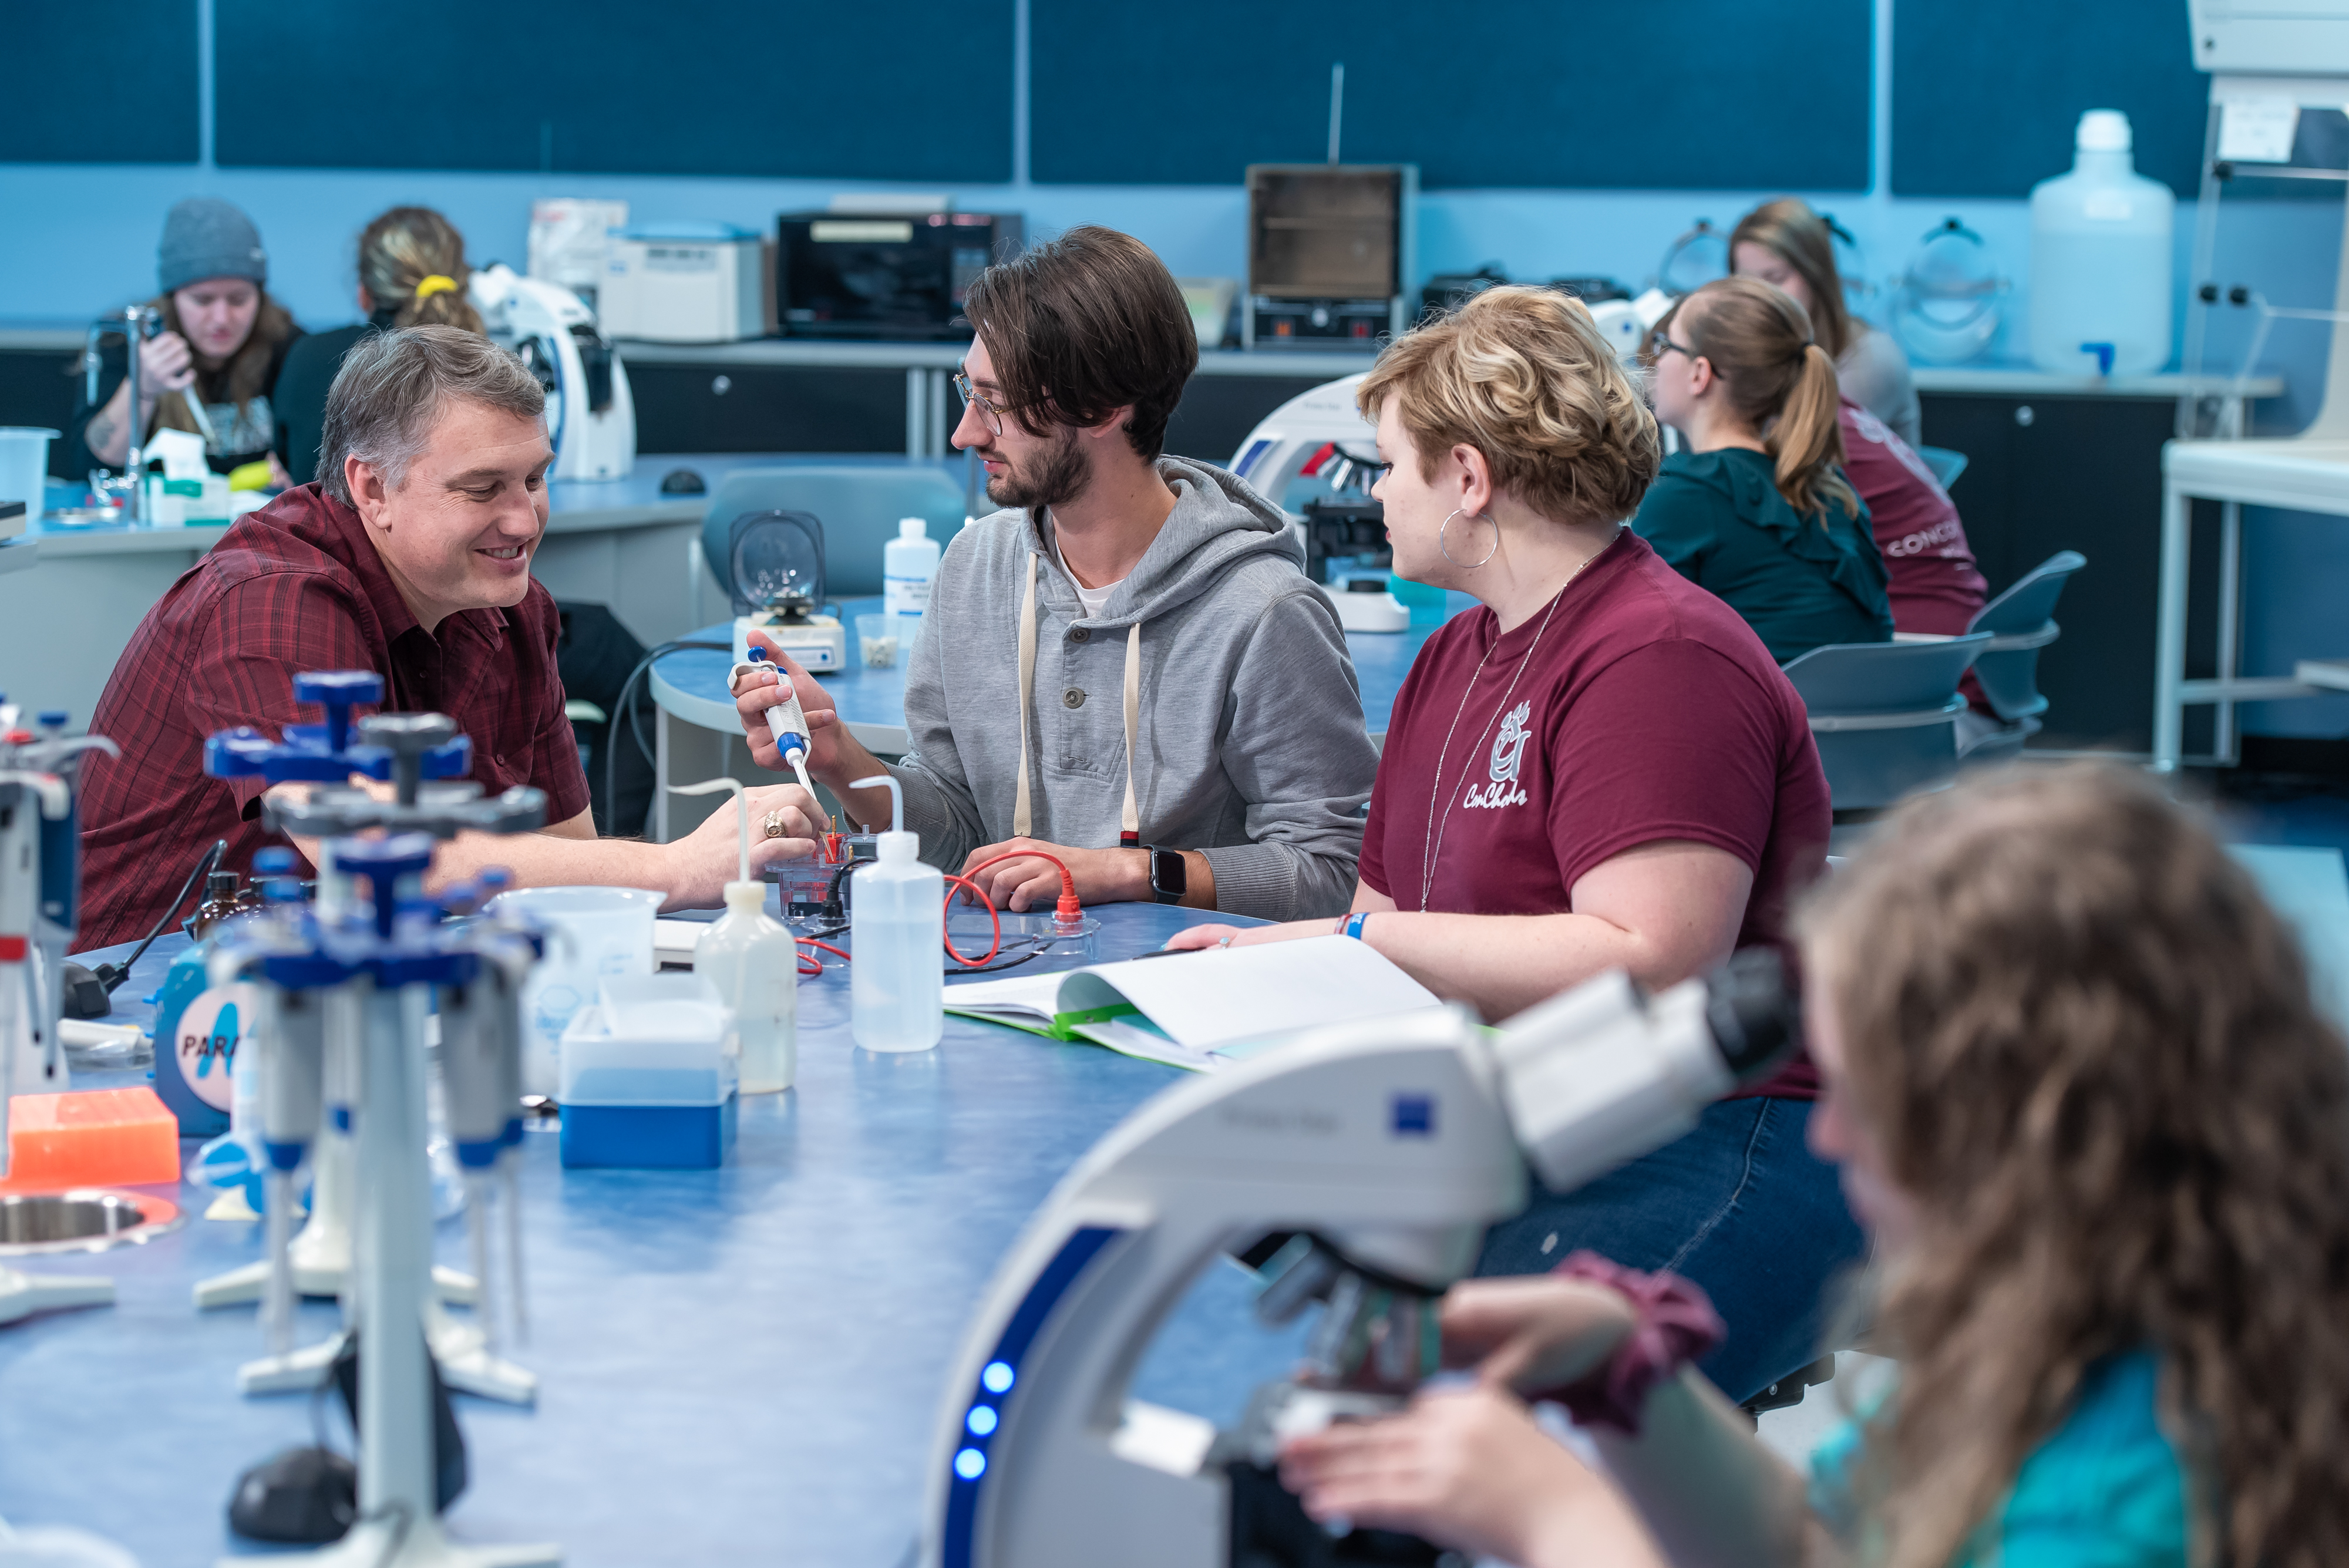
(1600, 768)
(2099, 1132)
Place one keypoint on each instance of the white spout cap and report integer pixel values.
(2103, 131)
(913, 528)
(896, 846)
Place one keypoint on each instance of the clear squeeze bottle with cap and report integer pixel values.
(754, 963)
(896, 913)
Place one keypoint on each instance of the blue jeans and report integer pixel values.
(1741, 1207)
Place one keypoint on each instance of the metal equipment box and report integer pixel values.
(1332, 248)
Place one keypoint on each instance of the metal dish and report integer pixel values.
(84, 1220)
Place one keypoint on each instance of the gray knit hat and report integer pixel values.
(203, 237)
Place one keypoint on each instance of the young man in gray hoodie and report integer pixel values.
(1125, 668)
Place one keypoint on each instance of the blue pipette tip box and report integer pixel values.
(648, 1138)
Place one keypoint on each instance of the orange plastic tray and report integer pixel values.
(90, 1137)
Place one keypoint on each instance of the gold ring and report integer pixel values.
(774, 824)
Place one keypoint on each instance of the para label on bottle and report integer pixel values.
(205, 1042)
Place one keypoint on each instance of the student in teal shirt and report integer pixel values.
(1755, 508)
(2098, 1133)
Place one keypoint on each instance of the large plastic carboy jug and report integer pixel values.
(2100, 260)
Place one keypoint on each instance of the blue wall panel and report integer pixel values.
(1656, 95)
(919, 90)
(98, 81)
(1986, 93)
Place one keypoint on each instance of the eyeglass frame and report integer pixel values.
(1660, 340)
(990, 412)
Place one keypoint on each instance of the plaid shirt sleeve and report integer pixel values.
(554, 764)
(265, 630)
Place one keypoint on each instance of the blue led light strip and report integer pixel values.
(998, 1376)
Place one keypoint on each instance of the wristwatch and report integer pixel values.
(1170, 873)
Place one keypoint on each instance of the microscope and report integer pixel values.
(1380, 1151)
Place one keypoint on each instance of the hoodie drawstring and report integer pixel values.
(1022, 816)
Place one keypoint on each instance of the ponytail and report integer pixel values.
(1806, 443)
(401, 256)
(1780, 381)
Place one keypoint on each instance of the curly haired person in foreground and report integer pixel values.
(2100, 1136)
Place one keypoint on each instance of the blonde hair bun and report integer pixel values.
(1523, 375)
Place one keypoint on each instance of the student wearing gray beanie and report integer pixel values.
(213, 368)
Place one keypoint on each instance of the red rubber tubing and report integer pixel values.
(993, 919)
(1067, 909)
(811, 942)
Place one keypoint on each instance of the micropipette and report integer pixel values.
(785, 721)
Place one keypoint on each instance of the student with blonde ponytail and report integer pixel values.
(412, 273)
(1755, 508)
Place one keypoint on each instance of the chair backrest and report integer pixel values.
(858, 504)
(1883, 678)
(2022, 622)
(1884, 714)
(2030, 602)
(1946, 464)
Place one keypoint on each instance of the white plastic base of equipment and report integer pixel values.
(391, 1543)
(1381, 611)
(240, 1286)
(22, 1294)
(460, 1350)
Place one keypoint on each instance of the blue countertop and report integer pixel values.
(736, 1365)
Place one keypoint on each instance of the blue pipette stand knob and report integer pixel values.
(337, 690)
(276, 861)
(384, 862)
(53, 719)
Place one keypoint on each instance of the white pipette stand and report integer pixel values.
(373, 981)
(25, 797)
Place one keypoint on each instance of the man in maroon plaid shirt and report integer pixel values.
(410, 556)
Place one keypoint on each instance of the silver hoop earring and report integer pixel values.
(1444, 547)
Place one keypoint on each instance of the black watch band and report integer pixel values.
(1170, 873)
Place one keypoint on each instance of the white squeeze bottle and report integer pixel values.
(909, 563)
(755, 966)
(2100, 260)
(896, 926)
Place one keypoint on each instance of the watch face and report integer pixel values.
(1169, 872)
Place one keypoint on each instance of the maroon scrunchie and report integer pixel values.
(1675, 1325)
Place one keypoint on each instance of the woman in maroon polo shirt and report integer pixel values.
(1601, 768)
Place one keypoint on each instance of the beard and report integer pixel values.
(1054, 477)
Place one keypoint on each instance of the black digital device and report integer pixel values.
(1170, 874)
(885, 276)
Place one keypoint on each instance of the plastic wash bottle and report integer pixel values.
(754, 963)
(896, 916)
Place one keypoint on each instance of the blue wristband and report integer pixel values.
(1354, 924)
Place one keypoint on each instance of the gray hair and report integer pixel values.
(392, 386)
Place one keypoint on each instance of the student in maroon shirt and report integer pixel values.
(1936, 587)
(411, 559)
(1601, 768)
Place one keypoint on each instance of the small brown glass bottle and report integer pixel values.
(220, 903)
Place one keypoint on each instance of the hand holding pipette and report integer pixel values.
(787, 721)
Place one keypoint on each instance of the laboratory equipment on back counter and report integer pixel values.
(1332, 248)
(1948, 306)
(343, 998)
(897, 930)
(778, 588)
(2100, 259)
(1381, 1152)
(591, 416)
(887, 274)
(135, 324)
(687, 283)
(908, 564)
(1695, 258)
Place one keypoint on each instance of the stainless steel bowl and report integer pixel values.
(84, 1219)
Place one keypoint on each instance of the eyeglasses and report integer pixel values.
(1659, 343)
(990, 412)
